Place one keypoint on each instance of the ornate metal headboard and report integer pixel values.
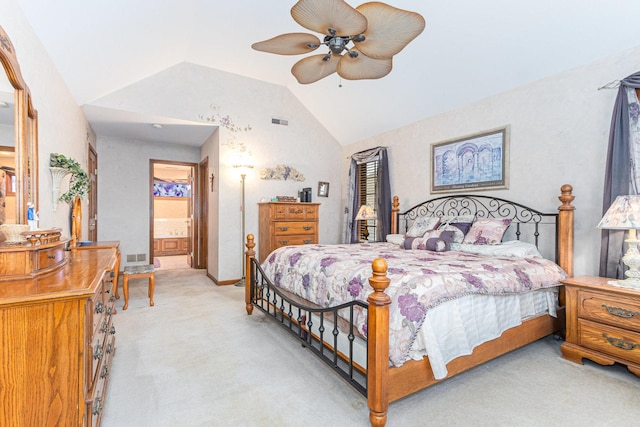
(526, 222)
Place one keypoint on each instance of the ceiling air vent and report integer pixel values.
(280, 122)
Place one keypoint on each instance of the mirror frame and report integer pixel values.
(25, 132)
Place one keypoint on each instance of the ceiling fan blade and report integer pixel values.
(390, 29)
(320, 15)
(289, 44)
(313, 68)
(363, 67)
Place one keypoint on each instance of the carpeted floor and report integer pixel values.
(197, 359)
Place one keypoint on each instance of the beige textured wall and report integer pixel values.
(559, 135)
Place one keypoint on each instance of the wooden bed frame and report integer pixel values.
(384, 383)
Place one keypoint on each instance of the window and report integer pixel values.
(367, 180)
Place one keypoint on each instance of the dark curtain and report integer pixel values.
(383, 198)
(383, 194)
(617, 178)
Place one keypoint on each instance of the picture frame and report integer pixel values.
(323, 189)
(474, 162)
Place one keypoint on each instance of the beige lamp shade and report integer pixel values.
(366, 212)
(623, 214)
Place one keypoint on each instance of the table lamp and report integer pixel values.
(366, 213)
(624, 214)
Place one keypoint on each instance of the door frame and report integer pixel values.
(195, 247)
(92, 166)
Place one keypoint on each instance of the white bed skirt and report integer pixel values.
(455, 328)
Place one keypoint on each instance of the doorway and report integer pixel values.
(173, 197)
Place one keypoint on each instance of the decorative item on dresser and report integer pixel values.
(603, 323)
(284, 224)
(39, 252)
(57, 342)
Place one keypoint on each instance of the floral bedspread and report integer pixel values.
(329, 275)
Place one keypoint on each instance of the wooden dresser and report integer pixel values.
(603, 323)
(284, 224)
(57, 341)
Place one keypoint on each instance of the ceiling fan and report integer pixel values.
(378, 31)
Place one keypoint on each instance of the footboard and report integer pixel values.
(329, 333)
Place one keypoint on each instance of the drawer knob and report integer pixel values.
(97, 406)
(621, 343)
(307, 227)
(283, 228)
(308, 241)
(620, 312)
(99, 307)
(97, 352)
(51, 256)
(284, 242)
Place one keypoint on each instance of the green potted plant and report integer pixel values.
(79, 183)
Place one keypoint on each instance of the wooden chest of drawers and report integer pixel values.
(285, 224)
(603, 323)
(57, 340)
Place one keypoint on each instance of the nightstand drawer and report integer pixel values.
(623, 312)
(610, 340)
(294, 240)
(291, 228)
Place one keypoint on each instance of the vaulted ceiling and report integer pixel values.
(469, 50)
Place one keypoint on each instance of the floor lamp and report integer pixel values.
(243, 175)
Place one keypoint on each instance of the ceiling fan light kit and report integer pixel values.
(378, 32)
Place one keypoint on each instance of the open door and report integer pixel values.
(190, 220)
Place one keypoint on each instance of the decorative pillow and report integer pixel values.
(512, 248)
(458, 224)
(434, 240)
(423, 224)
(396, 239)
(487, 231)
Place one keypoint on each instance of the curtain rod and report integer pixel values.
(615, 84)
(367, 149)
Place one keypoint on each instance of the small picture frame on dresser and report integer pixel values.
(323, 189)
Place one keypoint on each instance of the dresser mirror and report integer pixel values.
(18, 140)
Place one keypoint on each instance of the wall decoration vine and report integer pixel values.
(282, 173)
(225, 121)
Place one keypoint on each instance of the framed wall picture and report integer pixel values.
(323, 189)
(474, 162)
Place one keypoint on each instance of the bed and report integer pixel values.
(383, 337)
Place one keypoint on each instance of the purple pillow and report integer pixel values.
(435, 240)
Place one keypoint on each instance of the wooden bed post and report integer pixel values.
(378, 345)
(395, 208)
(249, 279)
(565, 229)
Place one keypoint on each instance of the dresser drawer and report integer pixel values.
(49, 257)
(610, 340)
(295, 212)
(291, 228)
(96, 399)
(622, 312)
(294, 240)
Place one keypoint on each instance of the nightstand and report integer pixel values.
(603, 323)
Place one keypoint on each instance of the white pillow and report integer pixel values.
(423, 224)
(396, 239)
(512, 248)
